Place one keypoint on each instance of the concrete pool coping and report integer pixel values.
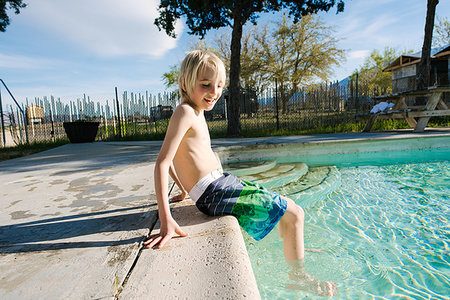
(86, 250)
(264, 148)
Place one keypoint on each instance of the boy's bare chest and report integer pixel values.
(199, 133)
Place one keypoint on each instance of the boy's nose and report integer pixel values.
(214, 89)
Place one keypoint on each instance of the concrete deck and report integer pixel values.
(73, 220)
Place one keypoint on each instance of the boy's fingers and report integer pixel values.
(164, 241)
(155, 241)
(180, 232)
(150, 238)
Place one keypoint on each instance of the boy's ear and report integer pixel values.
(182, 85)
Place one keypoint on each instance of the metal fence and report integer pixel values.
(143, 115)
(319, 106)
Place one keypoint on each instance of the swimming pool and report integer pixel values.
(381, 218)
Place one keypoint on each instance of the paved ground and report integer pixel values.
(72, 220)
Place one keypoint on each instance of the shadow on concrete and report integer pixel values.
(37, 235)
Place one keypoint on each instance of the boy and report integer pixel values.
(187, 156)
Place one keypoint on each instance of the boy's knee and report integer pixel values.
(299, 214)
(295, 215)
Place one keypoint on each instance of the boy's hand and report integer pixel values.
(167, 231)
(179, 197)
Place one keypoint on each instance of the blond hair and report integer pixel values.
(194, 62)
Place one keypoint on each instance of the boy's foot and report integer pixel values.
(309, 284)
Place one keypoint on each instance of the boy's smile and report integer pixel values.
(207, 89)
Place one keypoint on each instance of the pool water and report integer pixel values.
(385, 229)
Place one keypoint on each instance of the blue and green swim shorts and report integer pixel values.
(257, 209)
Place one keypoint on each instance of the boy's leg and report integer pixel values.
(291, 231)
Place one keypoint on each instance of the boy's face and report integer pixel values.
(207, 89)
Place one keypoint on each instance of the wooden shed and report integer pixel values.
(404, 69)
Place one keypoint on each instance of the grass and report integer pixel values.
(27, 149)
(380, 125)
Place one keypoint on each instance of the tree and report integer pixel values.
(371, 74)
(12, 4)
(252, 65)
(170, 79)
(441, 35)
(296, 54)
(202, 16)
(423, 68)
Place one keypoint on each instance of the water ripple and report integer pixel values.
(385, 230)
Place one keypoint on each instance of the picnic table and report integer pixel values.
(416, 116)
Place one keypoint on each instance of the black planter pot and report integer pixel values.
(81, 132)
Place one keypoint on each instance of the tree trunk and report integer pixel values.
(423, 68)
(233, 105)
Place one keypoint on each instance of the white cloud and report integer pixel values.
(104, 27)
(358, 54)
(24, 62)
(377, 24)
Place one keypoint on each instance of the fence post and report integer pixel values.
(23, 113)
(357, 93)
(3, 122)
(118, 114)
(276, 104)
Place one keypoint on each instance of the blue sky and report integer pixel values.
(70, 48)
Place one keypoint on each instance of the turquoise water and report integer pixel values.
(384, 227)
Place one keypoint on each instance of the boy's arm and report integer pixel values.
(179, 124)
(175, 178)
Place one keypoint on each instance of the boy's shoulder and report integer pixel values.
(185, 114)
(184, 108)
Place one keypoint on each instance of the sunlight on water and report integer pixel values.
(385, 230)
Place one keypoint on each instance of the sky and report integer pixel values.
(66, 49)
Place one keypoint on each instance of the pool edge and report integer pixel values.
(275, 148)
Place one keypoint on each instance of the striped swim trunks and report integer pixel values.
(257, 209)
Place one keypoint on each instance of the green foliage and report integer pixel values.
(252, 64)
(131, 131)
(16, 5)
(441, 36)
(294, 53)
(371, 73)
(380, 125)
(299, 53)
(170, 79)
